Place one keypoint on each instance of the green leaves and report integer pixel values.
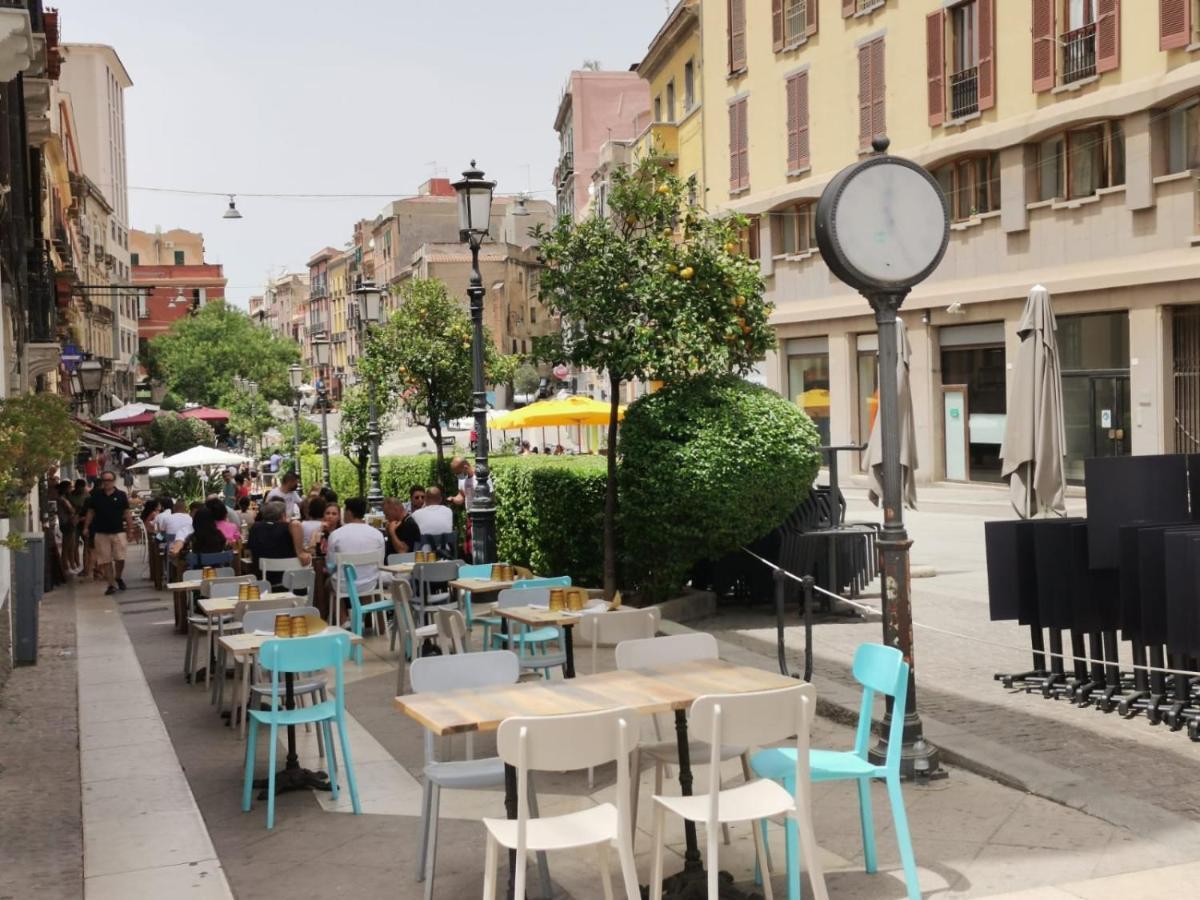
(171, 433)
(36, 432)
(198, 358)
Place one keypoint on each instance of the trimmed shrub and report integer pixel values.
(708, 465)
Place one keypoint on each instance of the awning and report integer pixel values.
(99, 435)
(136, 421)
(206, 414)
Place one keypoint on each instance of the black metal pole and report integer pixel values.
(296, 437)
(323, 399)
(375, 490)
(483, 507)
(918, 756)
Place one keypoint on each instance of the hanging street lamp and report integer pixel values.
(370, 312)
(321, 350)
(295, 379)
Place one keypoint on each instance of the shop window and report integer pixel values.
(971, 185)
(1079, 162)
(868, 384)
(796, 228)
(808, 380)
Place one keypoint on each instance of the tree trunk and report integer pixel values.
(435, 432)
(610, 493)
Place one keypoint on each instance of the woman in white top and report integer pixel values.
(311, 526)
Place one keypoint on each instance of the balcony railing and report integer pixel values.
(1079, 54)
(964, 93)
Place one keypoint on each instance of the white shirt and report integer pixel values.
(292, 500)
(308, 528)
(354, 538)
(466, 484)
(434, 520)
(177, 524)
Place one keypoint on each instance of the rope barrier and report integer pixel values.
(968, 637)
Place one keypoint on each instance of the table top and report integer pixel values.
(242, 643)
(480, 585)
(656, 689)
(399, 568)
(185, 585)
(219, 606)
(528, 615)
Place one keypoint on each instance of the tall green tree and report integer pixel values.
(352, 436)
(171, 433)
(249, 416)
(420, 360)
(201, 354)
(656, 289)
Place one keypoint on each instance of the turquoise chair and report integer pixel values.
(309, 654)
(483, 570)
(359, 610)
(879, 669)
(535, 638)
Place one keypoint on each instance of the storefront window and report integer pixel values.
(973, 359)
(808, 380)
(868, 384)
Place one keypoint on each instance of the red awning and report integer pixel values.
(99, 435)
(206, 414)
(135, 421)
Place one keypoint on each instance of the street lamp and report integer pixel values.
(321, 356)
(883, 227)
(370, 312)
(474, 217)
(91, 378)
(295, 379)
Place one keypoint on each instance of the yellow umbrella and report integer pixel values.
(569, 411)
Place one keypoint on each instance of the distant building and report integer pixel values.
(173, 278)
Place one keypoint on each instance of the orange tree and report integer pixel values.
(653, 289)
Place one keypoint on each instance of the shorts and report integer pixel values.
(110, 547)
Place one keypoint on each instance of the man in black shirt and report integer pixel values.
(402, 530)
(108, 517)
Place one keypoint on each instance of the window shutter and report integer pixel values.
(735, 178)
(793, 124)
(878, 91)
(864, 96)
(1108, 35)
(847, 8)
(810, 21)
(777, 24)
(803, 153)
(737, 35)
(743, 143)
(935, 65)
(1045, 46)
(986, 12)
(1174, 24)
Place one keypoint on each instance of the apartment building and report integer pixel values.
(318, 318)
(285, 303)
(1066, 135)
(343, 326)
(172, 278)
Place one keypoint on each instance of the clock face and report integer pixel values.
(890, 223)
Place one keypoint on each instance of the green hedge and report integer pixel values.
(396, 474)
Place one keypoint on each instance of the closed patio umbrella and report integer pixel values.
(873, 463)
(1034, 434)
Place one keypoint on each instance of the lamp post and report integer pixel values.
(252, 391)
(370, 311)
(474, 217)
(295, 379)
(883, 227)
(321, 357)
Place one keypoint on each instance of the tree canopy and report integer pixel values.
(653, 289)
(352, 430)
(171, 433)
(420, 359)
(201, 354)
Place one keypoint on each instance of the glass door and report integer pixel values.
(1096, 412)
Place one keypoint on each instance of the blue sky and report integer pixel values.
(368, 97)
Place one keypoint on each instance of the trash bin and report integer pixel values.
(28, 584)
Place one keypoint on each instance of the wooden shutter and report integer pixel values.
(986, 23)
(1045, 46)
(737, 34)
(878, 90)
(777, 24)
(793, 124)
(803, 154)
(735, 159)
(743, 143)
(1108, 35)
(935, 65)
(810, 20)
(864, 96)
(847, 8)
(1174, 24)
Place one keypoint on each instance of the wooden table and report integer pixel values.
(657, 689)
(215, 607)
(480, 585)
(540, 618)
(399, 568)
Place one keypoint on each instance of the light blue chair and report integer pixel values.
(359, 610)
(483, 570)
(537, 638)
(879, 669)
(296, 655)
(541, 659)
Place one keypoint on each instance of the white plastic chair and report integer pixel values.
(395, 559)
(448, 673)
(288, 564)
(611, 628)
(761, 717)
(671, 650)
(200, 624)
(451, 627)
(559, 744)
(410, 636)
(425, 598)
(296, 580)
(539, 659)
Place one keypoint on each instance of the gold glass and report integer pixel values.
(575, 600)
(243, 591)
(283, 626)
(497, 572)
(208, 573)
(299, 627)
(557, 600)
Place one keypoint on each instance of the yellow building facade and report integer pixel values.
(339, 332)
(675, 126)
(1066, 136)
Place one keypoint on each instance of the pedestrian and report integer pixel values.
(67, 518)
(229, 490)
(108, 518)
(288, 492)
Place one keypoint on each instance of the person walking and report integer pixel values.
(108, 518)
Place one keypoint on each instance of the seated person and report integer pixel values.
(313, 521)
(434, 517)
(220, 512)
(205, 537)
(248, 515)
(272, 537)
(402, 530)
(354, 537)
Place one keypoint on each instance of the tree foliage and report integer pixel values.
(36, 431)
(420, 360)
(352, 433)
(171, 433)
(526, 379)
(655, 289)
(201, 354)
(710, 464)
(249, 415)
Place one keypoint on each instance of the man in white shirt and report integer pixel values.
(286, 492)
(354, 537)
(434, 517)
(465, 473)
(176, 523)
